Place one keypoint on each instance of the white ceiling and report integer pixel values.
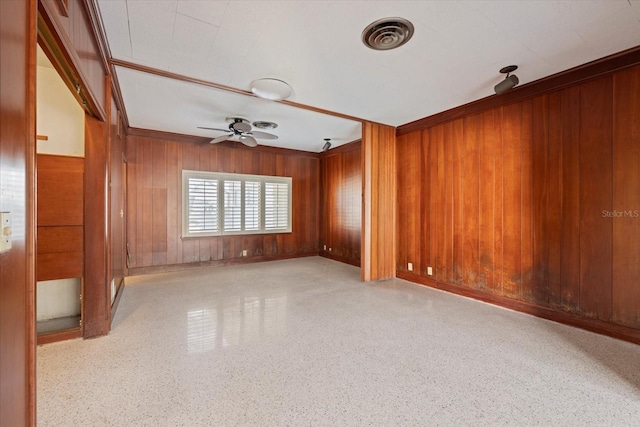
(316, 47)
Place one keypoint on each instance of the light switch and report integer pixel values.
(5, 235)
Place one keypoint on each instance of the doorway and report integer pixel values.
(60, 206)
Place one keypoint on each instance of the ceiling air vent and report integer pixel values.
(387, 33)
(265, 125)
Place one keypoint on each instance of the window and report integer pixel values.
(215, 204)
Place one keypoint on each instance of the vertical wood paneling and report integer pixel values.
(470, 200)
(155, 189)
(341, 203)
(454, 135)
(498, 206)
(570, 221)
(596, 130)
(429, 207)
(409, 155)
(512, 193)
(626, 198)
(60, 217)
(96, 303)
(526, 260)
(116, 196)
(537, 201)
(17, 182)
(554, 201)
(174, 191)
(540, 202)
(378, 198)
(486, 211)
(443, 247)
(77, 35)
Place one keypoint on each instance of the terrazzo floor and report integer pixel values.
(303, 342)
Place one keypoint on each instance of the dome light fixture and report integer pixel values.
(271, 89)
(509, 82)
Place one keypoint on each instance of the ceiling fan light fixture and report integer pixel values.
(271, 89)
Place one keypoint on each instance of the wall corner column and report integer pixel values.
(378, 254)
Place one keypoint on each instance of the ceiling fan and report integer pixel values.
(240, 130)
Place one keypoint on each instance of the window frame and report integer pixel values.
(221, 177)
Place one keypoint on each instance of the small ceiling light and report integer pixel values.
(509, 82)
(327, 144)
(271, 89)
(387, 33)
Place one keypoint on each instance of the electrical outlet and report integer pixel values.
(244, 252)
(329, 249)
(410, 266)
(325, 247)
(5, 233)
(430, 271)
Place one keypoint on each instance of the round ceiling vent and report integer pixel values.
(387, 33)
(265, 125)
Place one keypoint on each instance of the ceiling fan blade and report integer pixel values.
(221, 130)
(248, 140)
(220, 139)
(262, 135)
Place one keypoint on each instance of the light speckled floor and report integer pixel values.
(303, 342)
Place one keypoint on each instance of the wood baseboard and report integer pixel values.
(593, 325)
(220, 263)
(339, 258)
(67, 334)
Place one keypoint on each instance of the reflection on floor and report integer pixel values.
(303, 342)
(57, 324)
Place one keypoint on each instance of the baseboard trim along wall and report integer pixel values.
(605, 328)
(216, 263)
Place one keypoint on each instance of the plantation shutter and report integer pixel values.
(276, 206)
(252, 196)
(232, 205)
(203, 205)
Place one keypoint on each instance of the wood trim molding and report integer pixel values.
(593, 325)
(354, 145)
(182, 77)
(57, 336)
(156, 134)
(64, 58)
(344, 260)
(204, 264)
(563, 79)
(31, 212)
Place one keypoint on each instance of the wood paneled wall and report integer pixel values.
(72, 37)
(116, 198)
(154, 191)
(17, 188)
(534, 202)
(96, 301)
(60, 217)
(378, 259)
(341, 203)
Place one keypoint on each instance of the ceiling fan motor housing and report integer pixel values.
(239, 125)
